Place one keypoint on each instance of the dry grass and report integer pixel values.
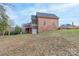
(60, 43)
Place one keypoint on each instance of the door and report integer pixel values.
(34, 31)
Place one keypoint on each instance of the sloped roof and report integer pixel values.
(47, 15)
(33, 17)
(28, 25)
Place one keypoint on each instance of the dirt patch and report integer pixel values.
(40, 46)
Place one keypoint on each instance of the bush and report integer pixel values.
(18, 30)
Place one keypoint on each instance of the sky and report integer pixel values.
(21, 13)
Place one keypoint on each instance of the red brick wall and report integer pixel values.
(51, 24)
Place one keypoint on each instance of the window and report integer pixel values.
(54, 24)
(44, 23)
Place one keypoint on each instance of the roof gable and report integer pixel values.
(47, 15)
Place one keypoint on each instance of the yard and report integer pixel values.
(59, 43)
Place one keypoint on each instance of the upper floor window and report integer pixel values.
(54, 24)
(44, 23)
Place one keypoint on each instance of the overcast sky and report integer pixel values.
(21, 13)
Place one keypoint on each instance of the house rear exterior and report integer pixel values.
(43, 22)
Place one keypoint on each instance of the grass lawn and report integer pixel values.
(59, 43)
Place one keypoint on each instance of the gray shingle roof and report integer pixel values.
(33, 17)
(40, 14)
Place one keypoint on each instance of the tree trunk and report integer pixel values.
(9, 33)
(3, 33)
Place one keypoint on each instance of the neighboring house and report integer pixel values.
(42, 22)
(68, 26)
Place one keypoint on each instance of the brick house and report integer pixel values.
(43, 22)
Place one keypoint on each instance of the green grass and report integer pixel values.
(59, 42)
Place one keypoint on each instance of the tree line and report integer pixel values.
(5, 23)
